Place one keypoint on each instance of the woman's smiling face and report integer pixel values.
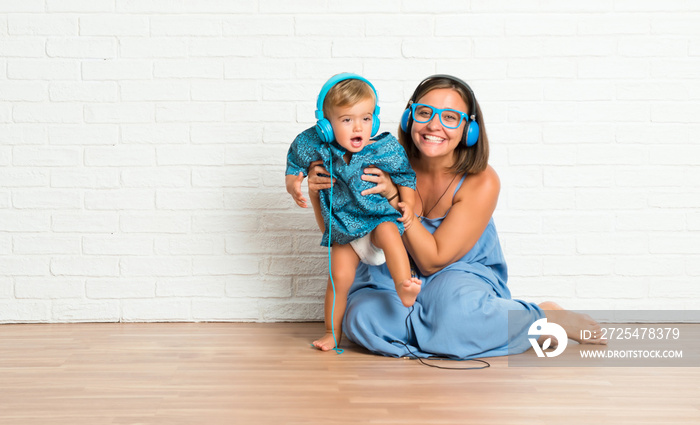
(432, 138)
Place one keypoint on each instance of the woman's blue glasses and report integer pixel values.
(450, 118)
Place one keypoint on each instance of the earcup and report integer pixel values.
(375, 124)
(324, 130)
(404, 119)
(472, 133)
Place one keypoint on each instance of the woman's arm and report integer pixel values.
(472, 208)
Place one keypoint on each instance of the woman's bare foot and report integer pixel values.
(326, 342)
(408, 291)
(573, 323)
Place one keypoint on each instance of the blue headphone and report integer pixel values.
(323, 126)
(471, 133)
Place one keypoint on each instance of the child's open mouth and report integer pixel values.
(356, 142)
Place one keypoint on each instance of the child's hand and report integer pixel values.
(294, 188)
(407, 215)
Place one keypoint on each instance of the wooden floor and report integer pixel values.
(235, 373)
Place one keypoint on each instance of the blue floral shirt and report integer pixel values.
(352, 215)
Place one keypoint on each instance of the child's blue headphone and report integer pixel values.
(323, 126)
(471, 133)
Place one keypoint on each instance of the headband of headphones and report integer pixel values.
(471, 133)
(323, 126)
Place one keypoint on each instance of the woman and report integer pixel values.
(463, 308)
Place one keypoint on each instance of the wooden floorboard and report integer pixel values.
(253, 373)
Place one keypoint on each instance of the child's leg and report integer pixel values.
(344, 261)
(387, 237)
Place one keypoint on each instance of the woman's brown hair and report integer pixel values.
(471, 159)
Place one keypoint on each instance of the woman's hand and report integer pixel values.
(383, 184)
(293, 184)
(319, 178)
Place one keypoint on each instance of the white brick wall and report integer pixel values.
(142, 147)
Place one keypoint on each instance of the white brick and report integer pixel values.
(541, 245)
(22, 134)
(23, 177)
(7, 288)
(85, 311)
(613, 199)
(225, 91)
(241, 47)
(22, 47)
(612, 244)
(647, 265)
(613, 68)
(113, 25)
(578, 133)
(264, 25)
(191, 287)
(188, 68)
(162, 222)
(93, 134)
(648, 221)
(256, 243)
(149, 6)
(117, 70)
(579, 176)
(221, 6)
(190, 112)
(467, 25)
(288, 310)
(119, 113)
(24, 311)
(91, 178)
(49, 288)
(615, 287)
(43, 69)
(122, 245)
(23, 266)
(82, 6)
(29, 91)
(25, 6)
(85, 91)
(259, 111)
(155, 266)
(226, 133)
(82, 48)
(224, 265)
(251, 68)
(244, 176)
(546, 25)
(40, 244)
(225, 309)
(586, 91)
(162, 310)
(120, 156)
(155, 177)
(46, 199)
(85, 266)
(247, 287)
(675, 244)
(191, 155)
(36, 24)
(613, 24)
(47, 113)
(125, 199)
(152, 90)
(189, 199)
(301, 48)
(84, 222)
(578, 265)
(155, 133)
(151, 47)
(189, 245)
(185, 26)
(120, 288)
(296, 265)
(223, 223)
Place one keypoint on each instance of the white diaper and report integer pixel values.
(368, 253)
